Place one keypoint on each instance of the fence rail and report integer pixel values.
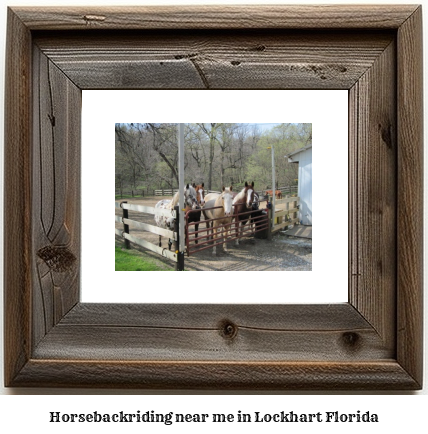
(170, 192)
(145, 227)
(146, 209)
(150, 228)
(283, 215)
(204, 238)
(150, 246)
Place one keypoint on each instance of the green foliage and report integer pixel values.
(215, 153)
(284, 138)
(133, 260)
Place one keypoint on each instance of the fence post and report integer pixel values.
(271, 200)
(179, 265)
(125, 227)
(269, 228)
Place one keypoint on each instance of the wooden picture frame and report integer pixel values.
(372, 342)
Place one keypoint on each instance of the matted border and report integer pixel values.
(372, 342)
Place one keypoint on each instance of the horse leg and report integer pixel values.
(214, 238)
(236, 230)
(243, 227)
(225, 231)
(196, 233)
(169, 243)
(207, 227)
(160, 241)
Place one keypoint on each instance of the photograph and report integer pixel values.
(246, 203)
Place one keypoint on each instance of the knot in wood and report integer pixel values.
(227, 329)
(386, 134)
(58, 259)
(94, 18)
(351, 340)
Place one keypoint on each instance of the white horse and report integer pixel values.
(167, 222)
(223, 215)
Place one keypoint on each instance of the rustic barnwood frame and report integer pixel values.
(372, 342)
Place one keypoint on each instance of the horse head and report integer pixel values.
(190, 197)
(227, 200)
(256, 202)
(200, 193)
(249, 194)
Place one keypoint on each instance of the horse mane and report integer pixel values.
(174, 201)
(240, 195)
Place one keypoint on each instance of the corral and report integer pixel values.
(281, 254)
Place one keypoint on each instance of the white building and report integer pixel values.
(303, 157)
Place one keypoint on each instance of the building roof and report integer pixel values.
(298, 151)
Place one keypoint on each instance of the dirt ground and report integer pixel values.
(283, 253)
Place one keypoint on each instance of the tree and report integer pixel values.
(285, 138)
(211, 131)
(215, 153)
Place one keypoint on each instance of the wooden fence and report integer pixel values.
(133, 193)
(165, 192)
(286, 213)
(145, 227)
(170, 192)
(292, 189)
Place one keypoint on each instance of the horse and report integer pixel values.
(195, 215)
(222, 214)
(278, 193)
(200, 193)
(255, 209)
(255, 217)
(165, 222)
(243, 202)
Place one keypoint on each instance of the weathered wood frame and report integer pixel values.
(372, 342)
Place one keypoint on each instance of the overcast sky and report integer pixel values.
(265, 126)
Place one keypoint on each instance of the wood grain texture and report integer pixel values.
(373, 162)
(410, 191)
(385, 375)
(372, 342)
(197, 332)
(17, 198)
(217, 17)
(216, 59)
(56, 194)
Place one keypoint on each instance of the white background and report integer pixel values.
(397, 411)
(326, 110)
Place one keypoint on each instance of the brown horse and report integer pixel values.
(243, 202)
(200, 193)
(223, 214)
(278, 193)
